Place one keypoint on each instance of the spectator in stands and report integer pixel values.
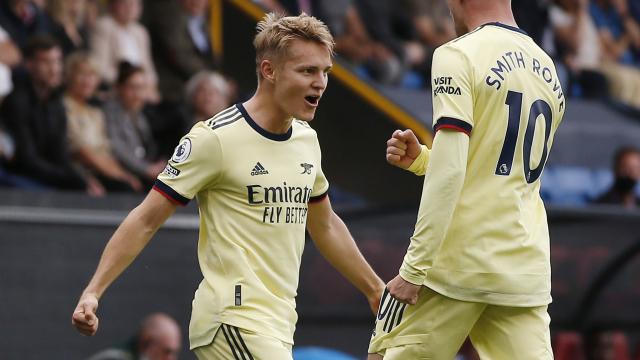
(619, 33)
(587, 56)
(180, 33)
(379, 19)
(36, 119)
(129, 131)
(72, 21)
(532, 17)
(10, 56)
(207, 94)
(579, 46)
(7, 153)
(626, 171)
(353, 41)
(87, 131)
(23, 19)
(117, 37)
(431, 20)
(159, 338)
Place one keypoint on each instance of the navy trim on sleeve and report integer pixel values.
(166, 191)
(261, 131)
(454, 124)
(319, 198)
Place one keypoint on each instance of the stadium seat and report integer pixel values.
(319, 353)
(568, 346)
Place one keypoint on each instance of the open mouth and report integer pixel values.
(313, 100)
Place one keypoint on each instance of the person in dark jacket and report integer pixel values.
(35, 117)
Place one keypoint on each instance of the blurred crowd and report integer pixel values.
(596, 43)
(95, 93)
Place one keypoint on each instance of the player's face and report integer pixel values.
(457, 13)
(301, 78)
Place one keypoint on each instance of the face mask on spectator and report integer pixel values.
(625, 184)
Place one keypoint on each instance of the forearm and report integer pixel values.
(336, 244)
(440, 194)
(128, 241)
(102, 164)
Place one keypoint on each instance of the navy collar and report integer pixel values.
(260, 130)
(508, 27)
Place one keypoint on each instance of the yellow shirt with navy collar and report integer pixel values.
(253, 189)
(498, 87)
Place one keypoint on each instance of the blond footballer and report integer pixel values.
(255, 169)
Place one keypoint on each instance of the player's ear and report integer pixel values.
(268, 70)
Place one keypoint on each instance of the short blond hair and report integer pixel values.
(74, 61)
(276, 31)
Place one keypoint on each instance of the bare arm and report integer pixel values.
(124, 246)
(107, 166)
(9, 53)
(333, 240)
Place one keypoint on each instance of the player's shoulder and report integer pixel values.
(224, 120)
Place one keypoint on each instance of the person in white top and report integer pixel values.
(9, 56)
(119, 36)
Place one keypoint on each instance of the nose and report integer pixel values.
(320, 81)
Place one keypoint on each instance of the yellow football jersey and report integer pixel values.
(253, 188)
(496, 85)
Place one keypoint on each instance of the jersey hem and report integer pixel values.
(247, 324)
(486, 297)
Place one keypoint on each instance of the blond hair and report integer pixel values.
(74, 61)
(275, 33)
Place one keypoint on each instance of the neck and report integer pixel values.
(264, 111)
(482, 12)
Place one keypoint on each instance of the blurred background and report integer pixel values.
(95, 95)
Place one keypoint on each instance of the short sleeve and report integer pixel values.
(452, 86)
(320, 184)
(195, 165)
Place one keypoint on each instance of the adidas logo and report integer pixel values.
(259, 170)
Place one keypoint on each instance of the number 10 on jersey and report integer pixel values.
(539, 107)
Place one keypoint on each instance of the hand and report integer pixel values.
(84, 316)
(403, 291)
(95, 188)
(403, 148)
(374, 298)
(134, 182)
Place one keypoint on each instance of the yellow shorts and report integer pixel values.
(436, 327)
(232, 343)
